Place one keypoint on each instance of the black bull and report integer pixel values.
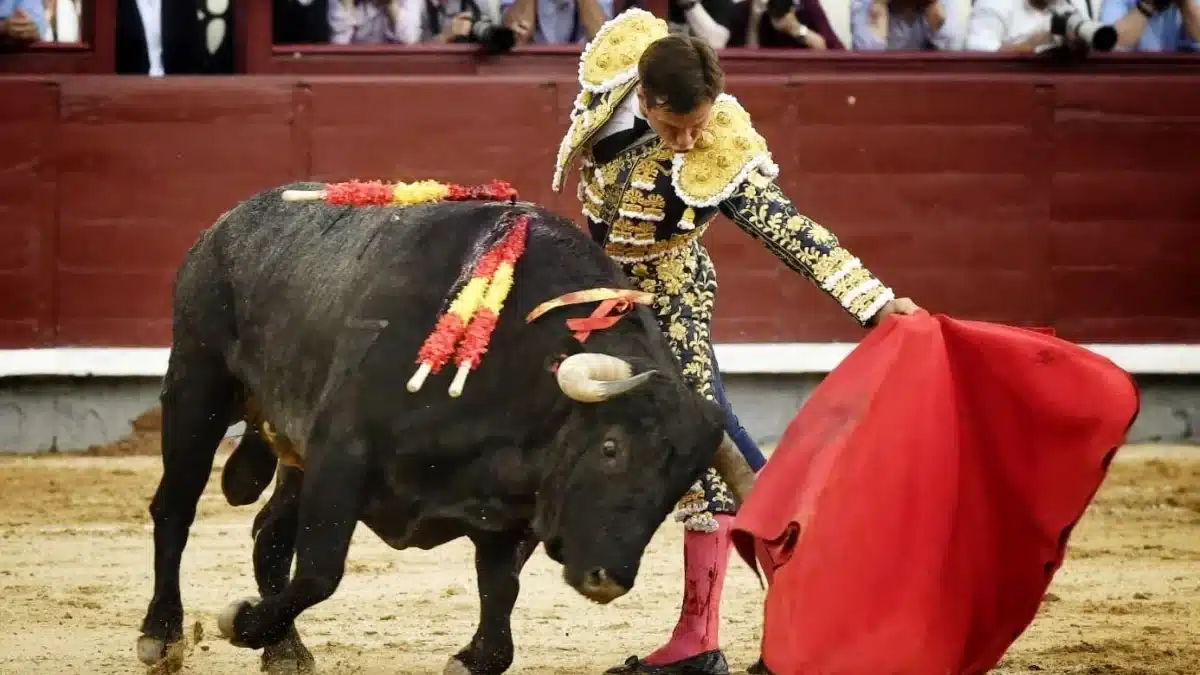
(312, 316)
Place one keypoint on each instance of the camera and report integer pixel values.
(1070, 24)
(493, 37)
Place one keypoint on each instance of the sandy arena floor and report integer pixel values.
(75, 576)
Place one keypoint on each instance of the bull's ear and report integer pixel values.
(566, 347)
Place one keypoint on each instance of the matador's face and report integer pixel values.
(679, 132)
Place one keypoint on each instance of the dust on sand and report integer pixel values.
(75, 577)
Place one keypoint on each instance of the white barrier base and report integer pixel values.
(786, 358)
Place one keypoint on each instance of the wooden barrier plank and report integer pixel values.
(1001, 203)
(145, 165)
(27, 212)
(478, 131)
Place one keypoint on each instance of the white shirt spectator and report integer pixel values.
(995, 24)
(63, 22)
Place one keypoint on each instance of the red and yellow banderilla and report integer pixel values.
(474, 312)
(378, 193)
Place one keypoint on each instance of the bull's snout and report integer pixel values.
(598, 586)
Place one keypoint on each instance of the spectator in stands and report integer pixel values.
(1017, 25)
(556, 22)
(22, 22)
(1154, 25)
(407, 21)
(793, 24)
(459, 20)
(62, 21)
(905, 25)
(373, 22)
(163, 37)
(802, 25)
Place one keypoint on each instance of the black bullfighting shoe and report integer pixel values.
(707, 663)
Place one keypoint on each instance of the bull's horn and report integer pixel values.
(592, 378)
(731, 465)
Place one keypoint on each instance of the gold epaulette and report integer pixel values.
(728, 151)
(607, 72)
(611, 58)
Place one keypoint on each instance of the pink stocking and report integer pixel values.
(705, 558)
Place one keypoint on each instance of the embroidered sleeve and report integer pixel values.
(760, 208)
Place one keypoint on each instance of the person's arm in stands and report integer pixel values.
(1190, 9)
(1129, 17)
(709, 20)
(801, 32)
(593, 14)
(812, 14)
(941, 17)
(519, 15)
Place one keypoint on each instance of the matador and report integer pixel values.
(662, 149)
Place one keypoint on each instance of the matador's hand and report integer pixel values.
(896, 306)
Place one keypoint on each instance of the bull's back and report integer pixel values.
(313, 285)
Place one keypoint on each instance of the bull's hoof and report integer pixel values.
(151, 650)
(227, 617)
(456, 667)
(288, 657)
(160, 655)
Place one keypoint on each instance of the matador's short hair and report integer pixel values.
(680, 72)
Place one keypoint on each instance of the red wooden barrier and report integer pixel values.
(1060, 200)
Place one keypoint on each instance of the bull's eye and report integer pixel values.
(610, 448)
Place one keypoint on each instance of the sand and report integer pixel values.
(75, 577)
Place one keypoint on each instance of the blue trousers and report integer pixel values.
(741, 438)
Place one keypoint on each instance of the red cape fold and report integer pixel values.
(919, 504)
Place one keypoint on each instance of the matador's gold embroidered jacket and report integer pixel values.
(651, 207)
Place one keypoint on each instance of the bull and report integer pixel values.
(305, 318)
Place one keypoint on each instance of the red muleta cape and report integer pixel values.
(919, 504)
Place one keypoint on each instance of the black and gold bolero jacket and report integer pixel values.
(650, 202)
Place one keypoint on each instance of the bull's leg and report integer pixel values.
(329, 506)
(274, 534)
(197, 401)
(499, 559)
